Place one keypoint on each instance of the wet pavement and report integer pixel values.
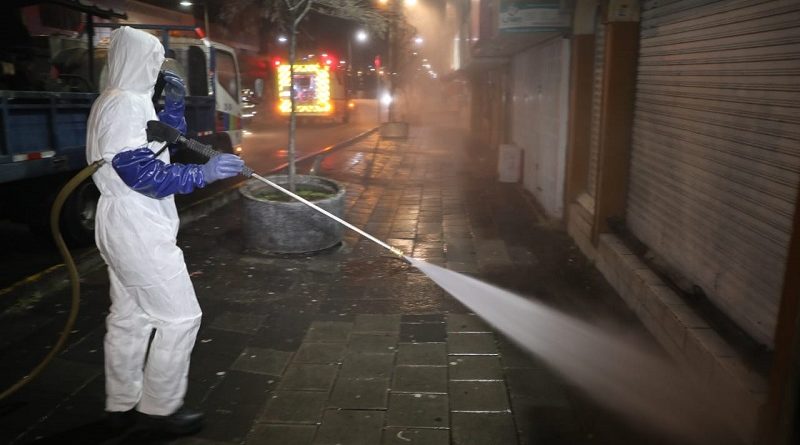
(350, 345)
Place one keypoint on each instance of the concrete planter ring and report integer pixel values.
(277, 227)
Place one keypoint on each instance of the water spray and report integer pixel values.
(158, 131)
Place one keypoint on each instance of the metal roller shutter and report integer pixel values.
(597, 103)
(715, 163)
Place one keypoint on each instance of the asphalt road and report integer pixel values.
(265, 144)
(264, 148)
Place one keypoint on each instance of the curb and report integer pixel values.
(56, 277)
(684, 334)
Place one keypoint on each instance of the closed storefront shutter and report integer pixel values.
(538, 108)
(715, 162)
(597, 104)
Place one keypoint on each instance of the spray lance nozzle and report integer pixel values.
(161, 132)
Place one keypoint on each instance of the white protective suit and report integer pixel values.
(136, 235)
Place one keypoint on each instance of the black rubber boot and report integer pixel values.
(181, 422)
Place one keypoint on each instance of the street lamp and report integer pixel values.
(397, 11)
(187, 4)
(395, 7)
(361, 36)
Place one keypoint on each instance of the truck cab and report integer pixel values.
(213, 97)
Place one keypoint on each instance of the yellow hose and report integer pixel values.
(55, 216)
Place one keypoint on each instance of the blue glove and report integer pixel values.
(174, 88)
(174, 102)
(221, 166)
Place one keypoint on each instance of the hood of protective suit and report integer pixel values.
(134, 60)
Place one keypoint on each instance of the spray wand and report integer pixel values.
(161, 132)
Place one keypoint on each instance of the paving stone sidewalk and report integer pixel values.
(351, 346)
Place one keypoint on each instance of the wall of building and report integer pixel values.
(695, 163)
(687, 168)
(715, 164)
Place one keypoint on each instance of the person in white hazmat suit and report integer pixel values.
(136, 229)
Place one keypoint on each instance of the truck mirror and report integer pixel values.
(259, 88)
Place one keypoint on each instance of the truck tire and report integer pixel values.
(77, 216)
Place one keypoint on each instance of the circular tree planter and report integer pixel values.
(272, 226)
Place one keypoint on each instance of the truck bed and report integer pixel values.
(42, 133)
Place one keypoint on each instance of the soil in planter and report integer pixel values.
(307, 193)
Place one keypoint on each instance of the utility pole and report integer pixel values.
(205, 19)
(394, 11)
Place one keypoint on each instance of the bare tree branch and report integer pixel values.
(299, 18)
(298, 4)
(283, 11)
(355, 10)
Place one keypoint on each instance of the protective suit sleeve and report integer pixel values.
(141, 171)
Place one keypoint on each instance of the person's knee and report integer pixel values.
(177, 334)
(186, 321)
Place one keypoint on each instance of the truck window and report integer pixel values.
(226, 73)
(198, 73)
(305, 88)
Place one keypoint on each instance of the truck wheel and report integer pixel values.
(77, 216)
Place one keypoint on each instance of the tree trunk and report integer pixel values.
(293, 114)
(392, 61)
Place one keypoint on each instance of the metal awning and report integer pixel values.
(506, 44)
(489, 54)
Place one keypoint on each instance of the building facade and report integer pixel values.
(664, 135)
